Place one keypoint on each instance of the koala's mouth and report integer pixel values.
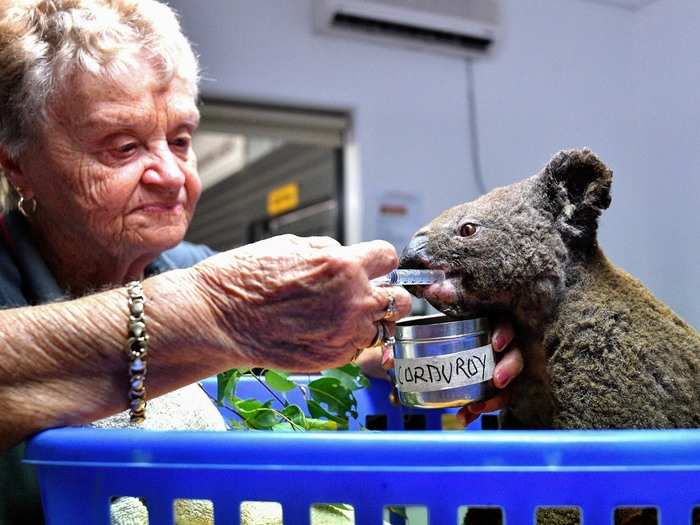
(450, 296)
(419, 290)
(444, 293)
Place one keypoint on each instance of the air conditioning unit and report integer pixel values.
(461, 27)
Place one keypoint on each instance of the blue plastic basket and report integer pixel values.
(80, 469)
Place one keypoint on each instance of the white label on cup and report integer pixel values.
(424, 374)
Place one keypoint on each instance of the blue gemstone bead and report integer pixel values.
(137, 366)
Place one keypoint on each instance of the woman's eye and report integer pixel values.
(181, 142)
(467, 229)
(127, 148)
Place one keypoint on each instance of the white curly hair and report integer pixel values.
(44, 43)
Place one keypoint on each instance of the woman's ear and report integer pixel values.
(13, 172)
(578, 186)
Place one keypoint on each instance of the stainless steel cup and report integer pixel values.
(442, 362)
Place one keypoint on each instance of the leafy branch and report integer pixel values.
(330, 400)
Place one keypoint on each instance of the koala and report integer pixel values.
(600, 351)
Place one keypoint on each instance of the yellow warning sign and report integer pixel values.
(283, 199)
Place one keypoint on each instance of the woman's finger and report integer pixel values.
(510, 365)
(465, 417)
(490, 405)
(502, 335)
(322, 242)
(376, 257)
(372, 337)
(469, 413)
(394, 303)
(370, 362)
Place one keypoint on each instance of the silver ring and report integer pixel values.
(390, 308)
(379, 337)
(388, 342)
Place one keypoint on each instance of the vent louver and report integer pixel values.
(464, 27)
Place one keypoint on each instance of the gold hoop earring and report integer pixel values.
(23, 202)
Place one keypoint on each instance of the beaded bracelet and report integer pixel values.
(137, 348)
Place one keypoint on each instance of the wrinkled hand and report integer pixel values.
(297, 304)
(510, 365)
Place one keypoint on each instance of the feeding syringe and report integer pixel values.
(409, 278)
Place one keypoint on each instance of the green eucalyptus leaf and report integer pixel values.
(324, 424)
(350, 376)
(284, 427)
(257, 415)
(295, 414)
(278, 381)
(226, 384)
(236, 425)
(317, 411)
(331, 392)
(264, 419)
(247, 406)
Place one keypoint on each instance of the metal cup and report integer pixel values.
(442, 362)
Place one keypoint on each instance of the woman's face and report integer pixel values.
(115, 168)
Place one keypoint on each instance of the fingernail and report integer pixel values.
(475, 408)
(499, 342)
(502, 378)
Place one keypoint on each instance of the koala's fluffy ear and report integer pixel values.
(578, 187)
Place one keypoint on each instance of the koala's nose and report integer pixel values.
(415, 254)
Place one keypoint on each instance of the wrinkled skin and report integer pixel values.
(303, 303)
(589, 332)
(113, 170)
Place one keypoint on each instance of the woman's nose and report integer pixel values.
(164, 171)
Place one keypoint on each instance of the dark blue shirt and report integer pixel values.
(26, 280)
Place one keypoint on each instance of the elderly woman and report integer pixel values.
(99, 183)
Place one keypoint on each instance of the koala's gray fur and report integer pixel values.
(600, 351)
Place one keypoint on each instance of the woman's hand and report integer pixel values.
(510, 365)
(297, 304)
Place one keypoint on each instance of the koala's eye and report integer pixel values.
(467, 229)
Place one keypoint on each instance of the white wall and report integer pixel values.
(624, 83)
(667, 108)
(567, 73)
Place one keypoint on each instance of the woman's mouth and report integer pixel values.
(158, 208)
